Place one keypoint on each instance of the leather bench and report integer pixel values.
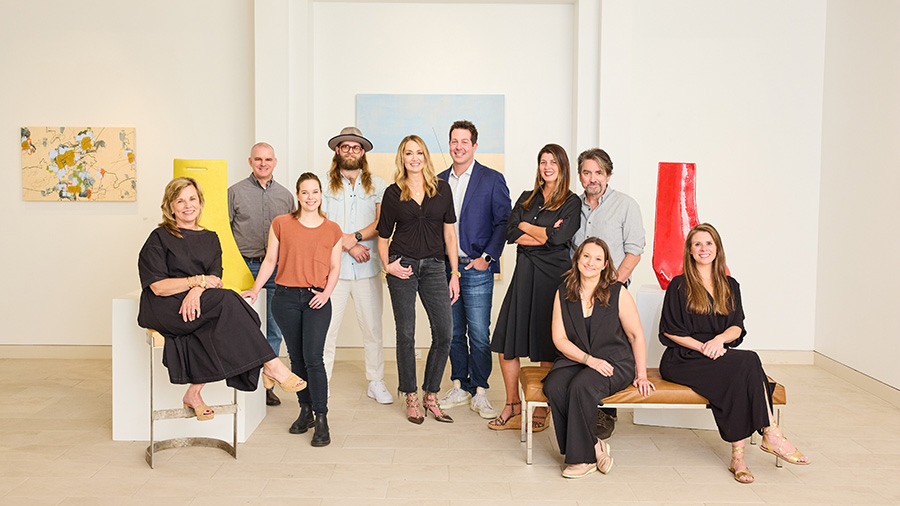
(666, 396)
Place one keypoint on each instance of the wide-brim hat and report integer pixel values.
(350, 134)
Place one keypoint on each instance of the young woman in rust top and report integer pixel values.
(306, 247)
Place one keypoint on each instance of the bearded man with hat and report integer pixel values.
(353, 201)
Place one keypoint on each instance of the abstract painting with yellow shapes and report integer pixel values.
(84, 164)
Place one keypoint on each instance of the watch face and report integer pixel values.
(358, 236)
(487, 258)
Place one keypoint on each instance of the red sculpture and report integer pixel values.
(676, 214)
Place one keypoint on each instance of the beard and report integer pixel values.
(349, 164)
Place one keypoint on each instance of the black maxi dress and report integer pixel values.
(523, 325)
(574, 389)
(735, 384)
(225, 342)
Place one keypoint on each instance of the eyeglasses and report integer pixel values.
(345, 148)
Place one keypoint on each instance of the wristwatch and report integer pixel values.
(487, 258)
(357, 235)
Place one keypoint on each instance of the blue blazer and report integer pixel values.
(485, 211)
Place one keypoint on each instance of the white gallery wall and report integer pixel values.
(181, 73)
(737, 87)
(859, 238)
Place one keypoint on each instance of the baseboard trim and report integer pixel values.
(786, 357)
(862, 380)
(55, 351)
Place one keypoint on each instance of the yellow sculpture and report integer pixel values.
(213, 178)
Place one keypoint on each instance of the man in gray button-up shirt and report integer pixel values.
(252, 205)
(615, 218)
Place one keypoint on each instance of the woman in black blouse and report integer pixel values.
(542, 223)
(597, 330)
(417, 210)
(702, 323)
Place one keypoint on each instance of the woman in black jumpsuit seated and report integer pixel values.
(211, 333)
(702, 322)
(597, 330)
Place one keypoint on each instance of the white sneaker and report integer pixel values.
(481, 405)
(455, 397)
(380, 393)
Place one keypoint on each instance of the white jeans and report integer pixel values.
(367, 298)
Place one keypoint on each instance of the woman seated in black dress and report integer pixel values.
(211, 333)
(597, 330)
(702, 322)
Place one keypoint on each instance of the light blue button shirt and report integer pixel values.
(353, 209)
(459, 185)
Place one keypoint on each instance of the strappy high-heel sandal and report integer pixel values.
(513, 421)
(604, 457)
(412, 409)
(766, 446)
(430, 403)
(539, 423)
(293, 383)
(739, 475)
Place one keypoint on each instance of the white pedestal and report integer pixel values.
(131, 386)
(649, 301)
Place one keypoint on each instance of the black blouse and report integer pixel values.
(418, 231)
(557, 237)
(678, 321)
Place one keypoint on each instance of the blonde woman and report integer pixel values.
(211, 333)
(415, 235)
(701, 325)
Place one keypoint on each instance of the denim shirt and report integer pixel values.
(353, 210)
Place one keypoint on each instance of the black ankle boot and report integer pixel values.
(304, 422)
(321, 437)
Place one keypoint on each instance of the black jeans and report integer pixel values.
(429, 280)
(304, 330)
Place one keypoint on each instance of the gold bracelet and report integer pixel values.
(203, 281)
(190, 282)
(456, 273)
(585, 359)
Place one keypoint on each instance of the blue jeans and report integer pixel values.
(430, 282)
(304, 331)
(273, 333)
(470, 359)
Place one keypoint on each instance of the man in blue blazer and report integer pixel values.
(481, 200)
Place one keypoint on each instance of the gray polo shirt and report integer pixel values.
(251, 209)
(616, 220)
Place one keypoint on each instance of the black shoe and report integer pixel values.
(321, 437)
(304, 422)
(272, 399)
(606, 425)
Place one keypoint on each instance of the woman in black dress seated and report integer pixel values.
(597, 330)
(211, 333)
(702, 323)
(542, 223)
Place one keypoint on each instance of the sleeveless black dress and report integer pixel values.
(574, 389)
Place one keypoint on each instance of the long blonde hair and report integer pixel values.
(427, 171)
(697, 296)
(172, 191)
(607, 277)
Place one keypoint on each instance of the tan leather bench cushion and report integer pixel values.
(666, 392)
